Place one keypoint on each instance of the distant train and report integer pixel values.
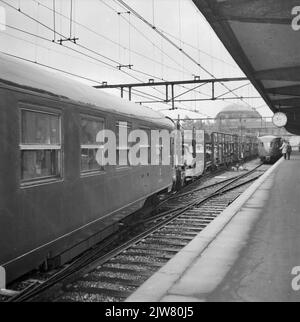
(209, 151)
(55, 199)
(269, 148)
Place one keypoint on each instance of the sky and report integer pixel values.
(109, 36)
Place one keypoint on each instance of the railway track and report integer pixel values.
(116, 275)
(124, 227)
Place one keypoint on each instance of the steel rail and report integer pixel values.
(92, 259)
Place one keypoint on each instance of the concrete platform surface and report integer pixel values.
(267, 267)
(250, 252)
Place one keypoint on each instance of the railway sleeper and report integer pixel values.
(98, 275)
(104, 291)
(196, 221)
(159, 255)
(196, 228)
(174, 249)
(82, 297)
(179, 233)
(128, 271)
(100, 285)
(201, 215)
(208, 216)
(174, 236)
(143, 258)
(208, 213)
(145, 263)
(114, 280)
(137, 267)
(165, 242)
(213, 206)
(66, 299)
(195, 212)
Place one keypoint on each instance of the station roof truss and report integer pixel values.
(263, 38)
(171, 97)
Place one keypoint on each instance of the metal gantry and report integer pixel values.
(170, 95)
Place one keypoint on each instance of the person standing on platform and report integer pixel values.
(289, 150)
(284, 148)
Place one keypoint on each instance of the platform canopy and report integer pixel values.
(263, 36)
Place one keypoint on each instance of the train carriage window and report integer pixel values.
(122, 144)
(160, 151)
(40, 145)
(148, 146)
(144, 151)
(90, 127)
(172, 151)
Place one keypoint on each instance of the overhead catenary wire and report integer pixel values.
(37, 32)
(154, 45)
(137, 15)
(60, 34)
(129, 42)
(145, 74)
(179, 27)
(235, 89)
(135, 92)
(178, 47)
(84, 47)
(102, 62)
(69, 48)
(143, 35)
(51, 67)
(197, 48)
(44, 47)
(144, 95)
(55, 12)
(184, 109)
(60, 70)
(71, 14)
(81, 46)
(54, 22)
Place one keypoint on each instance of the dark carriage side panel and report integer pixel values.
(48, 206)
(9, 174)
(46, 219)
(28, 213)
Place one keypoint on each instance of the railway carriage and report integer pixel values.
(194, 154)
(207, 151)
(55, 199)
(269, 148)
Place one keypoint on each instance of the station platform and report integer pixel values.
(250, 252)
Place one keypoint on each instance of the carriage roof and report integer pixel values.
(268, 138)
(35, 78)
